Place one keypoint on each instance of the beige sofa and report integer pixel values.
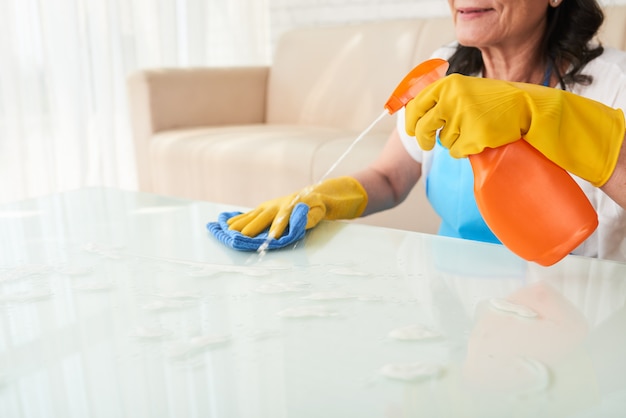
(244, 135)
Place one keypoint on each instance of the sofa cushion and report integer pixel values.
(342, 76)
(263, 160)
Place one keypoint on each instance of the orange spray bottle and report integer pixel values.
(533, 206)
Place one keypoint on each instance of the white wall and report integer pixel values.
(288, 14)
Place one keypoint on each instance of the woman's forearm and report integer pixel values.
(390, 178)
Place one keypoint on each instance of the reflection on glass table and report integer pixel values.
(120, 304)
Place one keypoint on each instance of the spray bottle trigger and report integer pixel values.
(419, 77)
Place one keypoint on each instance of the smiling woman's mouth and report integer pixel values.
(473, 10)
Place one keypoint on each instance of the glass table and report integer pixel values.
(120, 304)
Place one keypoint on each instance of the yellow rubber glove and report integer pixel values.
(336, 198)
(580, 135)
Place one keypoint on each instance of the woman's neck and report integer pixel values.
(509, 66)
(520, 60)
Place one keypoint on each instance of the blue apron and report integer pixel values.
(450, 190)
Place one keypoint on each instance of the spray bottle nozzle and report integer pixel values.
(414, 82)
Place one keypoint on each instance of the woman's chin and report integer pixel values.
(470, 35)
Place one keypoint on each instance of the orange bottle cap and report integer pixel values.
(414, 82)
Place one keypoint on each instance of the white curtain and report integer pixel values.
(63, 69)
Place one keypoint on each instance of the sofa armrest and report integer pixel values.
(165, 99)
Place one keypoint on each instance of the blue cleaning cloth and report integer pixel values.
(236, 240)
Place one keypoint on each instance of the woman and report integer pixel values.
(506, 48)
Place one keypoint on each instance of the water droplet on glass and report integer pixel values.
(541, 372)
(25, 271)
(197, 345)
(370, 298)
(180, 294)
(283, 287)
(513, 308)
(411, 372)
(329, 296)
(73, 270)
(343, 271)
(307, 312)
(26, 296)
(263, 335)
(149, 333)
(94, 286)
(246, 271)
(413, 332)
(165, 305)
(202, 273)
(112, 253)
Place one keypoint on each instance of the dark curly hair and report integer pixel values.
(570, 28)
